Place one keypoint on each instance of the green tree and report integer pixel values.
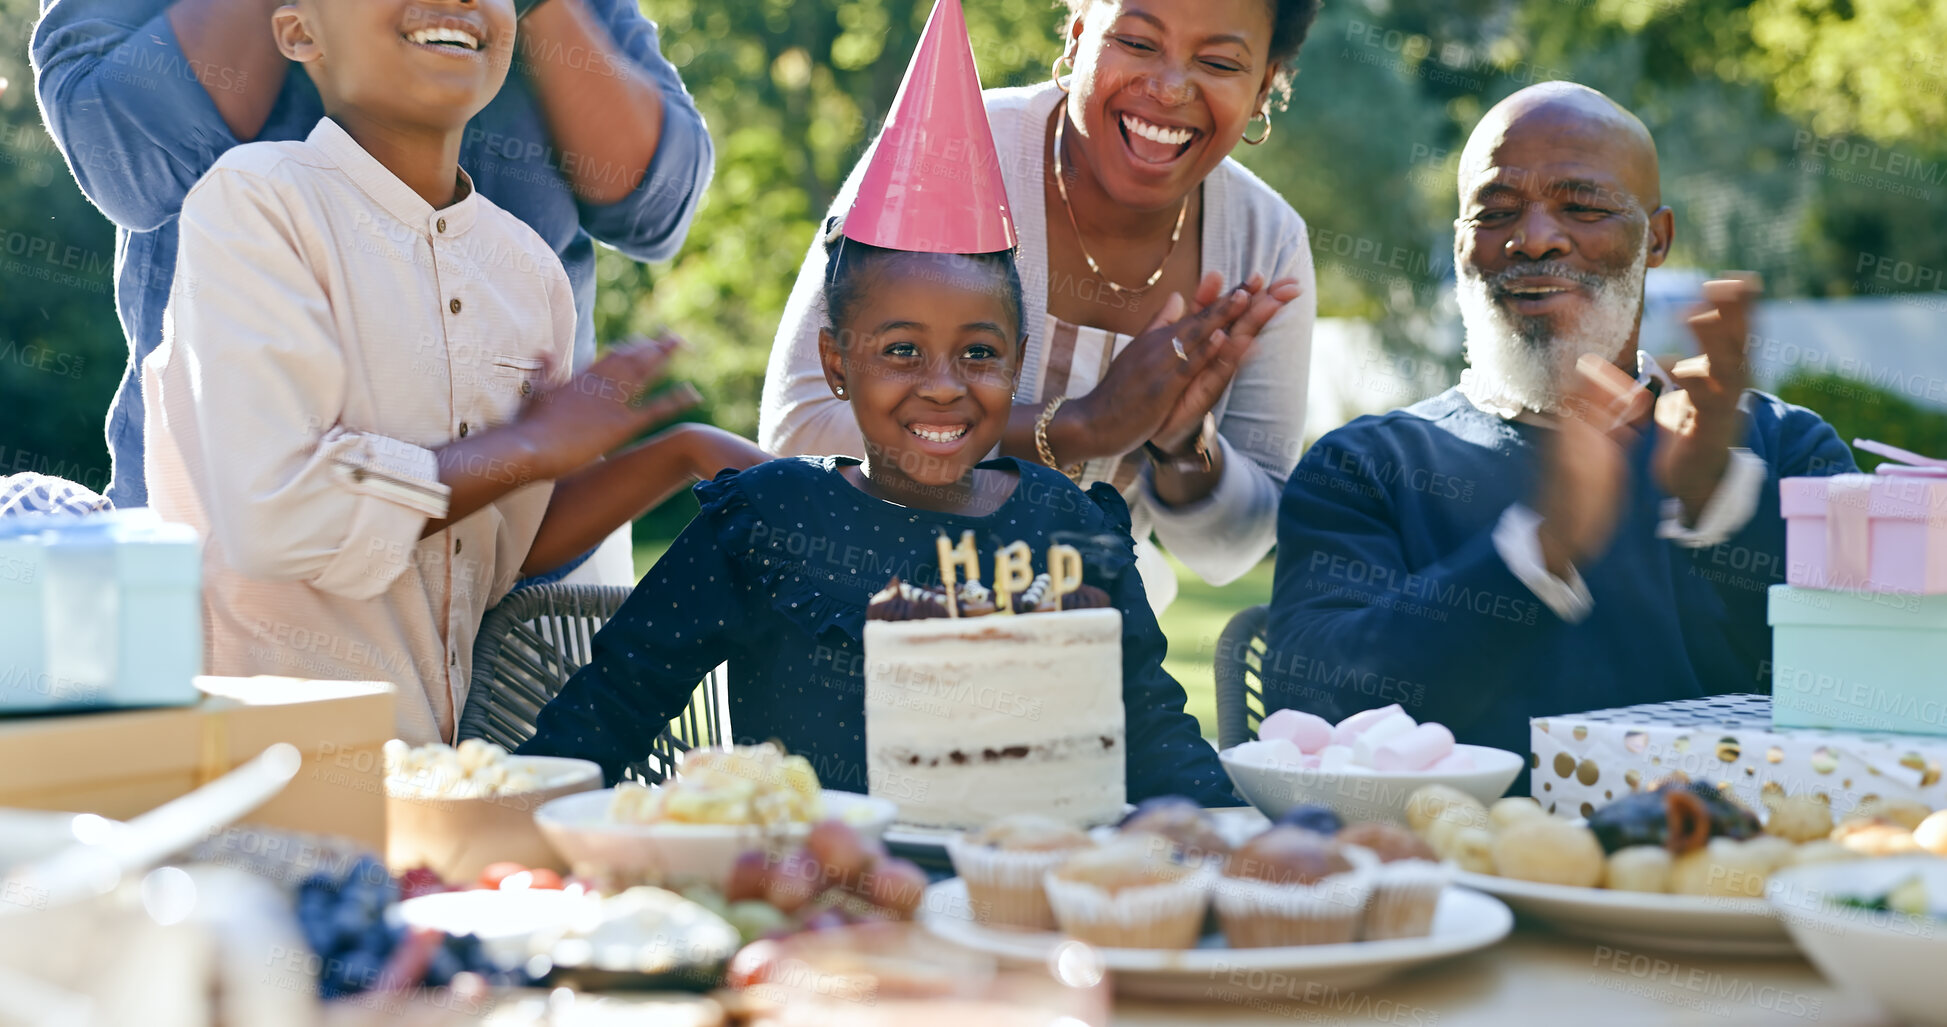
(61, 348)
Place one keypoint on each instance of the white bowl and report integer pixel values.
(678, 855)
(1887, 957)
(1361, 793)
(457, 838)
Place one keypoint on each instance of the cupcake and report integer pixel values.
(1188, 828)
(1406, 885)
(1290, 886)
(1127, 895)
(1003, 865)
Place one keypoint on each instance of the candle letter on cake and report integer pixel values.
(962, 556)
(1013, 573)
(1064, 572)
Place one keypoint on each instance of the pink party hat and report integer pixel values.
(933, 180)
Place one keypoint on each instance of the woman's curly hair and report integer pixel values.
(1291, 21)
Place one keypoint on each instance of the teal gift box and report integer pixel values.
(97, 611)
(1861, 661)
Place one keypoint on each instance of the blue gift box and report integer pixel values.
(103, 610)
(1862, 661)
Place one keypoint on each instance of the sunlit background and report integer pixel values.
(1803, 139)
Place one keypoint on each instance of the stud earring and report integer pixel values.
(840, 390)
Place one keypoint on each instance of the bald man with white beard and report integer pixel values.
(1572, 527)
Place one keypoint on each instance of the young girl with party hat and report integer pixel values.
(776, 572)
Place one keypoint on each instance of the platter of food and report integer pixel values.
(1705, 924)
(1680, 866)
(1181, 901)
(1462, 922)
(692, 831)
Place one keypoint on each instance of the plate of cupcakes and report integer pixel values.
(1179, 901)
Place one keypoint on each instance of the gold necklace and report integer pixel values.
(1061, 186)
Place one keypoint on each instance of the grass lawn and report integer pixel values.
(1192, 625)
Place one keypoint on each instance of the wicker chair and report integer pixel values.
(1240, 680)
(533, 641)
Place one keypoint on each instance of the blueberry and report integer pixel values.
(1312, 818)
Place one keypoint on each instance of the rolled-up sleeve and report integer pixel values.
(252, 378)
(651, 222)
(1261, 432)
(128, 110)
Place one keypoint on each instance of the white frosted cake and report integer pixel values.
(969, 719)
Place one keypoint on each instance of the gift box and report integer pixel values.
(1858, 661)
(1881, 532)
(103, 610)
(1583, 761)
(121, 763)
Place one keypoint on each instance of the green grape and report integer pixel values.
(754, 919)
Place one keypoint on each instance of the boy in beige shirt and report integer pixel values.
(361, 397)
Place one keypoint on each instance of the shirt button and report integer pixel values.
(440, 225)
(456, 545)
(456, 658)
(526, 387)
(462, 429)
(455, 305)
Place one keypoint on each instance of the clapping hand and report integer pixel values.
(1585, 464)
(1143, 392)
(1700, 419)
(570, 425)
(1218, 362)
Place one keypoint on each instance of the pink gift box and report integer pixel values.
(1884, 532)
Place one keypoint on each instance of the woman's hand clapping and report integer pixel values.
(1168, 377)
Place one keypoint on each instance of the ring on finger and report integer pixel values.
(1181, 353)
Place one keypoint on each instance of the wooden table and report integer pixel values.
(1541, 977)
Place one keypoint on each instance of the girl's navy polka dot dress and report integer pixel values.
(773, 576)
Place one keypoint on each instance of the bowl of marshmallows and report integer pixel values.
(458, 809)
(1364, 767)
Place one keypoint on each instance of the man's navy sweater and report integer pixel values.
(1389, 587)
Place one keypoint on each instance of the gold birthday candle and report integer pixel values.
(1064, 572)
(962, 556)
(1013, 573)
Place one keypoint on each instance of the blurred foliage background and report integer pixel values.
(1796, 136)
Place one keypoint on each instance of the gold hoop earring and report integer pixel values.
(1056, 68)
(1266, 115)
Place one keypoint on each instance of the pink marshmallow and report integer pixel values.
(1417, 749)
(1453, 762)
(1354, 726)
(1309, 733)
(1309, 761)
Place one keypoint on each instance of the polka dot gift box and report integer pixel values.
(1583, 761)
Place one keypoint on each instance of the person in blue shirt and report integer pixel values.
(593, 137)
(775, 574)
(1572, 527)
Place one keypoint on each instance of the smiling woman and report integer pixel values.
(1168, 293)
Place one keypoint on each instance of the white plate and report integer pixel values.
(1677, 923)
(1463, 922)
(642, 932)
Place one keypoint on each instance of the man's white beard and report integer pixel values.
(1518, 362)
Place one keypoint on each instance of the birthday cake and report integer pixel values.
(983, 703)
